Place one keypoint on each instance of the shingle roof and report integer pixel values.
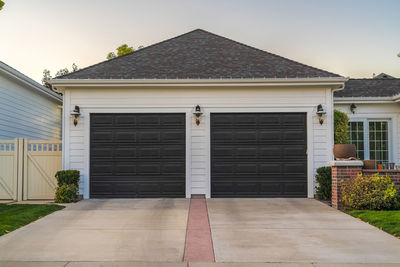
(198, 55)
(370, 88)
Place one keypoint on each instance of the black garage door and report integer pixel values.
(258, 155)
(137, 155)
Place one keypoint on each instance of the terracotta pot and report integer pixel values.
(344, 151)
(369, 164)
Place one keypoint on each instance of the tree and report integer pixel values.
(47, 75)
(1, 5)
(122, 50)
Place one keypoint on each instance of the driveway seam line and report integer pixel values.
(186, 233)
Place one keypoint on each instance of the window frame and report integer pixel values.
(366, 122)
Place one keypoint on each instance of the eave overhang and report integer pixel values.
(26, 81)
(331, 82)
(367, 100)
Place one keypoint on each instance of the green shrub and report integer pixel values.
(68, 177)
(370, 193)
(341, 127)
(324, 180)
(66, 193)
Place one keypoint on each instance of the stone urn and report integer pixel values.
(344, 151)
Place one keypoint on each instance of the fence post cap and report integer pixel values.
(344, 163)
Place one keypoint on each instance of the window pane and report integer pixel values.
(378, 141)
(356, 129)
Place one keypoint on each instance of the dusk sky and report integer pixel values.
(352, 38)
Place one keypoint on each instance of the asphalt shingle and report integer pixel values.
(198, 55)
(370, 88)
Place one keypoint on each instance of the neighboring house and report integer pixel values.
(27, 109)
(259, 134)
(373, 106)
(383, 76)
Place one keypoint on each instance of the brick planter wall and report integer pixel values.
(393, 174)
(343, 170)
(347, 169)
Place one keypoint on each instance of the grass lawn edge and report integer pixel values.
(14, 216)
(385, 220)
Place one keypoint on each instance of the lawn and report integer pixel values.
(388, 221)
(14, 216)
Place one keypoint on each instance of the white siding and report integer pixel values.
(26, 113)
(384, 111)
(183, 100)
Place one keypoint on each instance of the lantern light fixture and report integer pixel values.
(197, 113)
(321, 113)
(76, 113)
(353, 108)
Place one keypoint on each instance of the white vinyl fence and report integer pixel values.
(27, 168)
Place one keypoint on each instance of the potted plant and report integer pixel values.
(342, 149)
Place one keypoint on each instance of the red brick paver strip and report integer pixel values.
(198, 246)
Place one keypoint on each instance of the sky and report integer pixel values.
(353, 38)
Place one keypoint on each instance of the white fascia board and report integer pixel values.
(333, 82)
(364, 100)
(18, 76)
(396, 98)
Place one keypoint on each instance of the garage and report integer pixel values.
(137, 155)
(258, 155)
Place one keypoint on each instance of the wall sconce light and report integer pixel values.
(321, 113)
(197, 113)
(353, 108)
(76, 113)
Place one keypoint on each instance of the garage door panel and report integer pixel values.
(269, 119)
(105, 120)
(245, 119)
(258, 155)
(124, 120)
(294, 136)
(295, 168)
(102, 135)
(271, 152)
(137, 155)
(269, 135)
(293, 119)
(124, 152)
(172, 120)
(102, 168)
(124, 136)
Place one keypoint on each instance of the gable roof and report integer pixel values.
(383, 76)
(370, 88)
(198, 55)
(28, 82)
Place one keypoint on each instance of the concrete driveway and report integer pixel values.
(152, 232)
(104, 230)
(294, 230)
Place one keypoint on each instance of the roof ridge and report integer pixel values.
(129, 54)
(264, 51)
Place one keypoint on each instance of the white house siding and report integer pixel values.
(27, 113)
(384, 111)
(76, 141)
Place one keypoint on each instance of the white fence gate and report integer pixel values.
(27, 168)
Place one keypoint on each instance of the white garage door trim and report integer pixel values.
(86, 116)
(310, 134)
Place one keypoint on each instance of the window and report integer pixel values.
(378, 141)
(371, 138)
(356, 129)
